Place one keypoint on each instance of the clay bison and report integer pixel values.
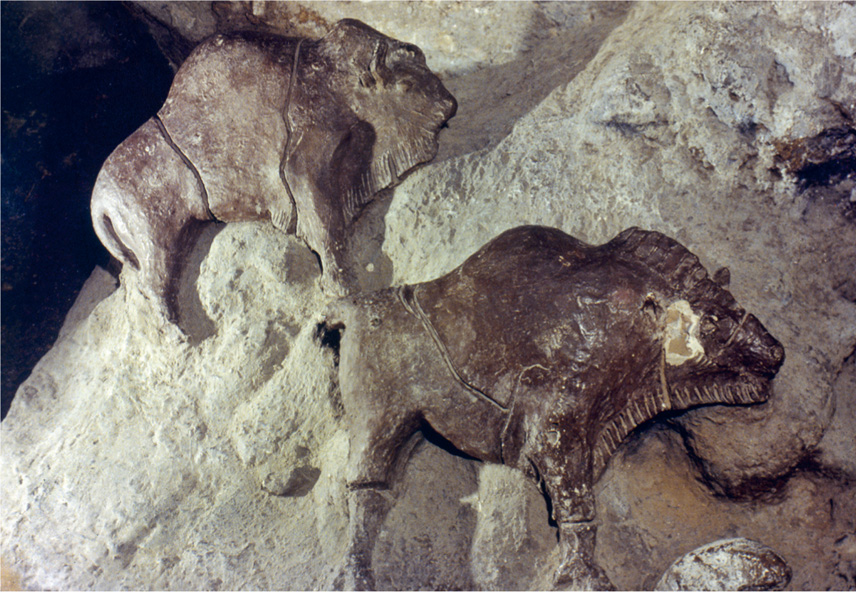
(300, 132)
(540, 352)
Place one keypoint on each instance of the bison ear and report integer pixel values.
(722, 277)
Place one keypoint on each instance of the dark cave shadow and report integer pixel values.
(78, 78)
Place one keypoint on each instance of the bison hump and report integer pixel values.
(507, 317)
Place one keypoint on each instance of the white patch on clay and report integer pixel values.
(728, 564)
(681, 334)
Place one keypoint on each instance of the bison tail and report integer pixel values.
(103, 221)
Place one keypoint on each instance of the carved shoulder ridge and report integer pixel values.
(408, 297)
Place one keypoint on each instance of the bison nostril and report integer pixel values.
(778, 354)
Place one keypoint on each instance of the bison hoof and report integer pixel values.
(575, 574)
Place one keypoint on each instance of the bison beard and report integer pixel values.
(542, 353)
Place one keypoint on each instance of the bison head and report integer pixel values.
(710, 350)
(713, 350)
(380, 104)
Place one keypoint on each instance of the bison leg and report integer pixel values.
(578, 568)
(368, 509)
(376, 446)
(157, 264)
(373, 460)
(147, 206)
(386, 361)
(567, 475)
(167, 264)
(145, 261)
(327, 236)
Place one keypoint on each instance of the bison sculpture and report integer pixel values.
(303, 133)
(543, 353)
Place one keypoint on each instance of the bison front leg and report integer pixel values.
(377, 443)
(376, 448)
(567, 478)
(381, 370)
(578, 570)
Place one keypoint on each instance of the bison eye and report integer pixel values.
(708, 325)
(651, 307)
(408, 51)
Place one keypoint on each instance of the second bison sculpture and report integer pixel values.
(543, 353)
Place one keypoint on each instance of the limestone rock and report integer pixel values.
(177, 439)
(135, 461)
(729, 564)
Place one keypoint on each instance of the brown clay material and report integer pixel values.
(300, 132)
(540, 352)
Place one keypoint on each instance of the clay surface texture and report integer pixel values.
(543, 353)
(225, 460)
(302, 133)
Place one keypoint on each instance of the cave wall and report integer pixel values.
(78, 77)
(133, 461)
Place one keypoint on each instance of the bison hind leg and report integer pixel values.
(150, 259)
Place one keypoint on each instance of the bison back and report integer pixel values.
(509, 315)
